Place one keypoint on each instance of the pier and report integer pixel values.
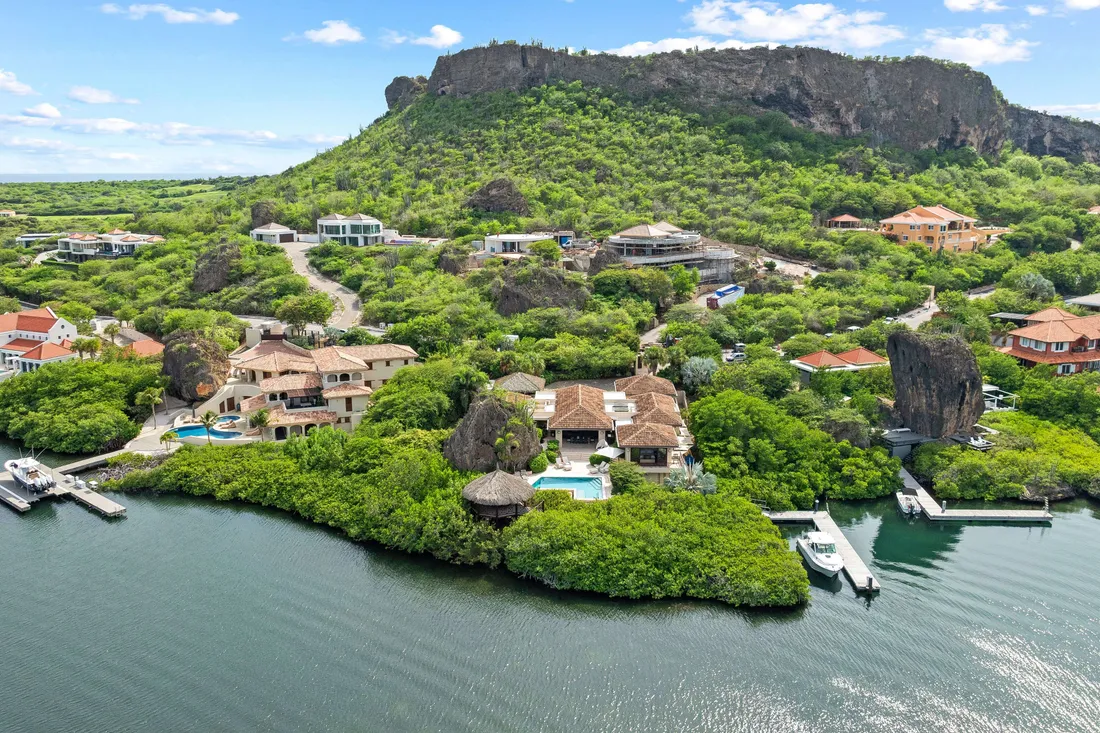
(854, 567)
(938, 513)
(21, 500)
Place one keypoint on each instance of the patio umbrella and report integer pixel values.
(610, 452)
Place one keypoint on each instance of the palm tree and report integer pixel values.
(692, 477)
(505, 447)
(654, 356)
(260, 419)
(150, 397)
(167, 437)
(85, 345)
(208, 420)
(112, 330)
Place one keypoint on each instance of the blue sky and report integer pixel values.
(244, 86)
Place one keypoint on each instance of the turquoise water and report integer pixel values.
(200, 431)
(582, 488)
(190, 615)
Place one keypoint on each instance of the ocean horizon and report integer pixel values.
(81, 177)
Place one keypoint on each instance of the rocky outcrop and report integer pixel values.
(195, 366)
(404, 90)
(263, 212)
(937, 385)
(526, 285)
(472, 446)
(214, 266)
(602, 260)
(914, 103)
(497, 196)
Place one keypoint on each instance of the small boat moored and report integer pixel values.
(819, 551)
(28, 473)
(908, 504)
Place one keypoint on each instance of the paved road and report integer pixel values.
(40, 258)
(347, 310)
(924, 314)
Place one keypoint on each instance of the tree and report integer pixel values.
(111, 330)
(126, 314)
(78, 314)
(692, 477)
(260, 420)
(697, 372)
(151, 397)
(300, 310)
(86, 345)
(167, 437)
(547, 249)
(684, 281)
(505, 447)
(625, 477)
(654, 357)
(209, 420)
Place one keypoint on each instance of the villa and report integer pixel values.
(520, 383)
(6, 214)
(29, 339)
(641, 417)
(1053, 336)
(520, 244)
(846, 222)
(847, 361)
(302, 388)
(664, 245)
(80, 247)
(273, 234)
(357, 230)
(32, 238)
(937, 227)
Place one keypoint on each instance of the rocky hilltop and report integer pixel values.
(914, 103)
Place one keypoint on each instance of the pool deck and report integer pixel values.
(579, 471)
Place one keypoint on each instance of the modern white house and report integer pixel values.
(32, 238)
(664, 245)
(516, 244)
(357, 230)
(273, 234)
(29, 339)
(80, 247)
(7, 214)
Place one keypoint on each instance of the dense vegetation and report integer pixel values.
(133, 198)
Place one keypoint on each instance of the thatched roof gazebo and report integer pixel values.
(498, 494)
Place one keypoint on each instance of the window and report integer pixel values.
(1065, 368)
(913, 227)
(357, 376)
(347, 404)
(332, 230)
(387, 363)
(331, 378)
(905, 238)
(356, 228)
(1060, 346)
(943, 227)
(1092, 343)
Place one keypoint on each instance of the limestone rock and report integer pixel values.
(214, 266)
(937, 385)
(263, 212)
(601, 261)
(404, 90)
(196, 366)
(525, 286)
(914, 103)
(471, 446)
(499, 195)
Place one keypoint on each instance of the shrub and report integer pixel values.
(539, 463)
(596, 459)
(625, 477)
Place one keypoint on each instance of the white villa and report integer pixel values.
(664, 245)
(273, 234)
(302, 388)
(80, 247)
(641, 416)
(32, 238)
(32, 338)
(357, 230)
(520, 244)
(6, 214)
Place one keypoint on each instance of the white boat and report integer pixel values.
(908, 504)
(28, 473)
(819, 550)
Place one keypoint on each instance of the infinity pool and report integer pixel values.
(198, 431)
(582, 488)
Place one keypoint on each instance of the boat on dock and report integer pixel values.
(30, 474)
(908, 504)
(819, 551)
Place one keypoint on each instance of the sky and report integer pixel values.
(242, 87)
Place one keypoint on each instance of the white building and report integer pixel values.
(664, 245)
(32, 238)
(6, 214)
(273, 234)
(357, 230)
(80, 247)
(514, 243)
(29, 339)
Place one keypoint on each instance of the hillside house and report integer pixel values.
(664, 245)
(844, 221)
(1057, 337)
(81, 247)
(847, 361)
(29, 339)
(936, 227)
(273, 234)
(357, 230)
(7, 214)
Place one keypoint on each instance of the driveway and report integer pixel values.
(924, 314)
(347, 310)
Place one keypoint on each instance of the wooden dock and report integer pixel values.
(100, 503)
(854, 567)
(937, 513)
(18, 498)
(12, 499)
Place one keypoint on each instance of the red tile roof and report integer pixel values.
(20, 345)
(927, 215)
(846, 217)
(39, 320)
(646, 435)
(145, 347)
(822, 359)
(861, 356)
(46, 351)
(579, 407)
(645, 383)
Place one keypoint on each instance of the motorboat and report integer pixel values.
(29, 474)
(819, 551)
(908, 504)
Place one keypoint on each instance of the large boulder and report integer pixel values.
(214, 266)
(263, 212)
(527, 285)
(497, 196)
(472, 446)
(404, 90)
(196, 366)
(937, 384)
(602, 260)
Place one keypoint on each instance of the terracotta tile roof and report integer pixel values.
(287, 382)
(145, 347)
(347, 390)
(278, 363)
(374, 352)
(344, 358)
(657, 408)
(20, 345)
(646, 435)
(520, 382)
(645, 383)
(39, 320)
(272, 227)
(579, 407)
(279, 416)
(861, 357)
(846, 217)
(644, 231)
(45, 351)
(273, 346)
(254, 403)
(927, 215)
(1056, 331)
(820, 359)
(1051, 314)
(116, 231)
(1047, 357)
(664, 226)
(335, 359)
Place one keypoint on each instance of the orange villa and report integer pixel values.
(1054, 336)
(937, 227)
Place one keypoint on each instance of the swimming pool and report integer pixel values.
(582, 488)
(198, 431)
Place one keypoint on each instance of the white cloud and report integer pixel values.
(1088, 111)
(990, 44)
(810, 24)
(644, 48)
(439, 36)
(60, 148)
(11, 85)
(332, 33)
(1035, 10)
(1082, 4)
(172, 15)
(45, 110)
(965, 6)
(91, 95)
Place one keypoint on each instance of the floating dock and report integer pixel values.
(854, 567)
(937, 512)
(21, 500)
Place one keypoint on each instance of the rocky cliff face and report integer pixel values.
(937, 385)
(499, 195)
(471, 446)
(214, 266)
(195, 365)
(914, 103)
(525, 287)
